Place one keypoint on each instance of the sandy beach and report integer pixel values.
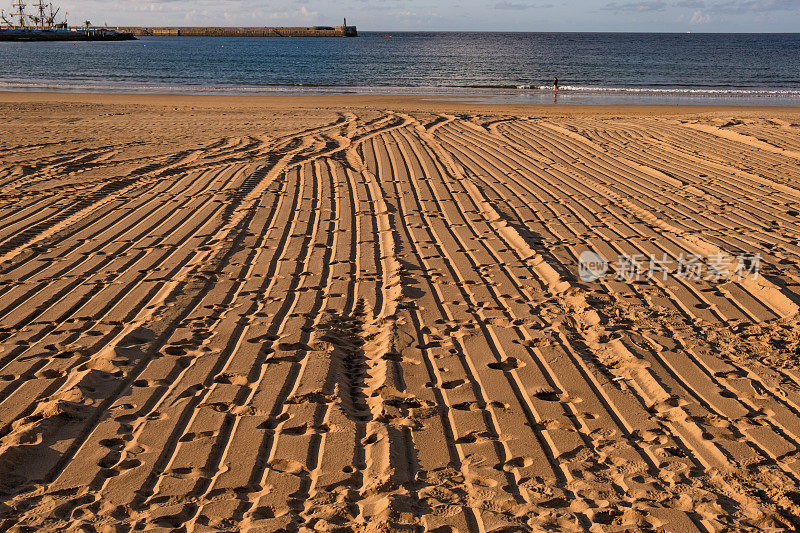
(366, 313)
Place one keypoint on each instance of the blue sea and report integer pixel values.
(746, 69)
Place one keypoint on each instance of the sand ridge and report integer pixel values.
(369, 318)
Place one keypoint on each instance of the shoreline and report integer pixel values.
(481, 95)
(421, 102)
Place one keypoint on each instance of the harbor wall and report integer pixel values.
(225, 31)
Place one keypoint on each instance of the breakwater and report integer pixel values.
(229, 31)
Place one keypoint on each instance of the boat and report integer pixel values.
(43, 27)
(90, 34)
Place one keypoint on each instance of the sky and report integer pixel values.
(456, 15)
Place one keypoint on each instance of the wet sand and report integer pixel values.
(366, 314)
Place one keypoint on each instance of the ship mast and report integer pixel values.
(40, 20)
(51, 19)
(4, 18)
(20, 5)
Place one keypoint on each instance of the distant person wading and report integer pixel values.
(555, 84)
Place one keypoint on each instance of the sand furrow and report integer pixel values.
(744, 139)
(60, 369)
(551, 277)
(726, 196)
(165, 290)
(504, 358)
(106, 253)
(373, 319)
(692, 243)
(215, 465)
(536, 266)
(285, 458)
(429, 340)
(212, 380)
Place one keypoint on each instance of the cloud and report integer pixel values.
(755, 6)
(719, 6)
(513, 6)
(699, 17)
(643, 6)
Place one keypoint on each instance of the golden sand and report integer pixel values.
(365, 314)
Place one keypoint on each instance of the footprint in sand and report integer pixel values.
(270, 511)
(453, 384)
(302, 429)
(474, 437)
(288, 466)
(232, 379)
(547, 395)
(274, 422)
(517, 462)
(553, 396)
(189, 437)
(507, 364)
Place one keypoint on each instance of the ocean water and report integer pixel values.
(497, 67)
